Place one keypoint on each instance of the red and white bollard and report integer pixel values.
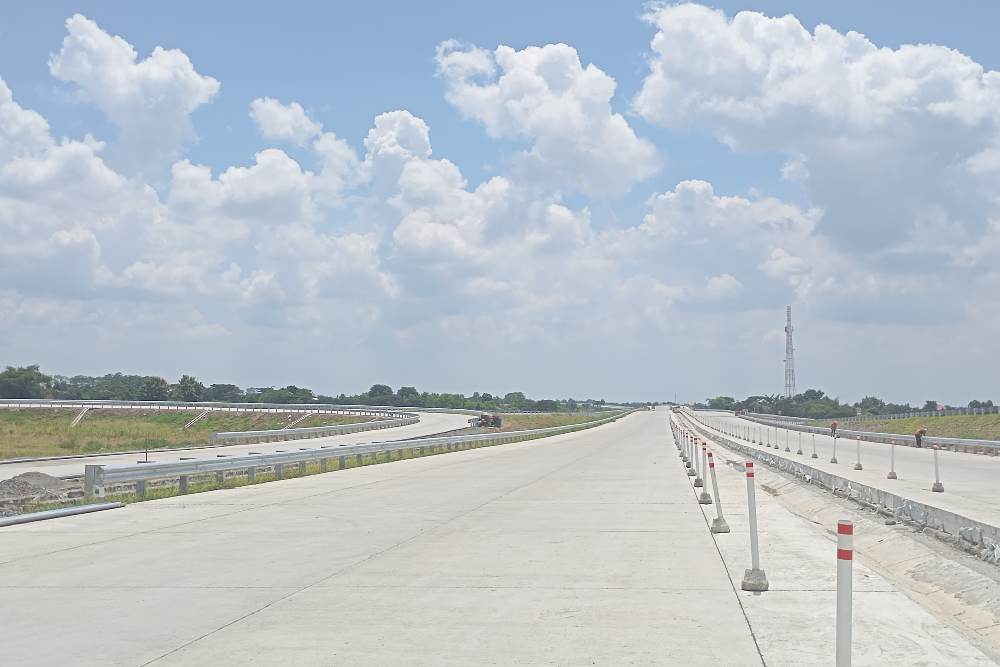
(754, 579)
(845, 588)
(833, 459)
(699, 470)
(857, 466)
(937, 486)
(719, 524)
(703, 497)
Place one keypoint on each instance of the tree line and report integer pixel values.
(815, 404)
(31, 382)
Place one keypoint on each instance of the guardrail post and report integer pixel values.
(937, 486)
(252, 474)
(182, 482)
(359, 459)
(341, 463)
(279, 470)
(754, 579)
(324, 465)
(92, 488)
(140, 488)
(220, 477)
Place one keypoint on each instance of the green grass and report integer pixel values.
(980, 427)
(41, 432)
(544, 420)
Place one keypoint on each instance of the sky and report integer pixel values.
(593, 200)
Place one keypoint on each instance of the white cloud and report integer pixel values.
(150, 100)
(287, 122)
(886, 141)
(546, 96)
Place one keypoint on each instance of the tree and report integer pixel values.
(155, 389)
(380, 394)
(407, 396)
(871, 405)
(189, 389)
(24, 382)
(546, 405)
(930, 406)
(722, 403)
(226, 393)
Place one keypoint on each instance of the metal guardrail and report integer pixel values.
(280, 435)
(991, 447)
(950, 412)
(98, 478)
(318, 408)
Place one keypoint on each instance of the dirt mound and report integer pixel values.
(33, 486)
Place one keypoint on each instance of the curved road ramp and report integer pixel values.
(587, 547)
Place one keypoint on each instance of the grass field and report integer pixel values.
(981, 427)
(544, 420)
(40, 432)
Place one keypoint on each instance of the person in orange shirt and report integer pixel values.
(919, 436)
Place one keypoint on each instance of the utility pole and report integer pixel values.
(789, 355)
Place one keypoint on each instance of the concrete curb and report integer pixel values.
(980, 539)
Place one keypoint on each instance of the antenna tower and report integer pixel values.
(789, 355)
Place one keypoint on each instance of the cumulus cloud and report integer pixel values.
(888, 142)
(287, 122)
(545, 95)
(150, 100)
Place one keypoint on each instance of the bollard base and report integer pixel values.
(698, 482)
(833, 459)
(691, 472)
(857, 466)
(799, 453)
(814, 455)
(754, 580)
(937, 487)
(787, 449)
(719, 525)
(891, 475)
(704, 498)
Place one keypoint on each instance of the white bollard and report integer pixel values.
(857, 466)
(800, 444)
(683, 446)
(754, 579)
(892, 461)
(845, 586)
(703, 497)
(699, 470)
(937, 486)
(833, 459)
(814, 455)
(788, 434)
(688, 461)
(719, 524)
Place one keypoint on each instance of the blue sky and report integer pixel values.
(347, 63)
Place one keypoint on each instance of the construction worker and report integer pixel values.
(919, 436)
(833, 429)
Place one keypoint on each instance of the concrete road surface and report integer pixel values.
(430, 423)
(970, 481)
(585, 548)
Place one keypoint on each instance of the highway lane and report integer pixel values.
(970, 480)
(430, 423)
(583, 548)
